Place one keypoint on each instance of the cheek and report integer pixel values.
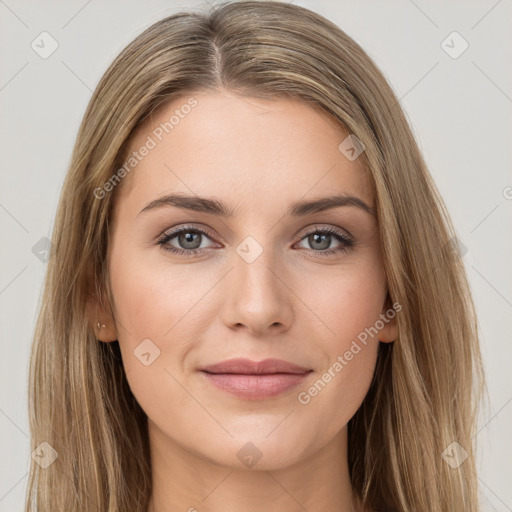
(153, 297)
(169, 305)
(349, 308)
(151, 307)
(347, 303)
(332, 399)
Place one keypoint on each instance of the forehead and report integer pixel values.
(220, 144)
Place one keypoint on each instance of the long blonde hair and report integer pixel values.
(427, 384)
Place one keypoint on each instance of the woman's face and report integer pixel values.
(266, 281)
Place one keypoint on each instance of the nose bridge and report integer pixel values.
(256, 296)
(256, 268)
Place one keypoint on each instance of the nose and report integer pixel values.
(259, 299)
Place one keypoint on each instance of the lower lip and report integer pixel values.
(255, 387)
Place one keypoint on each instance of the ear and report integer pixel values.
(99, 314)
(389, 332)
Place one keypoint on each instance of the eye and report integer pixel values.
(189, 241)
(320, 240)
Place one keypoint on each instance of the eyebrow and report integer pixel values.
(297, 209)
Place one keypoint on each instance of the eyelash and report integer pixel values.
(340, 237)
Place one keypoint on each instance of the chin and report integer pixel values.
(256, 450)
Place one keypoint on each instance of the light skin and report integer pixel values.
(293, 303)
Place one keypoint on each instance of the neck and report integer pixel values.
(185, 481)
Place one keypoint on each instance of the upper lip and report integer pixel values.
(246, 366)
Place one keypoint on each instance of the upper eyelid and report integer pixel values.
(171, 233)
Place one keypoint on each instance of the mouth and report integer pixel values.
(255, 380)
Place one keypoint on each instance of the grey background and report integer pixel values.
(459, 108)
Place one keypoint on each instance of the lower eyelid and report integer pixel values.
(346, 243)
(166, 238)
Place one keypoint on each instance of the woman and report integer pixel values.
(254, 298)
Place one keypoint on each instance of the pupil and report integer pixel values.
(318, 240)
(190, 238)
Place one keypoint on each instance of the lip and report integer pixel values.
(246, 366)
(255, 380)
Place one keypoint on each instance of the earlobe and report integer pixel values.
(100, 321)
(105, 332)
(389, 331)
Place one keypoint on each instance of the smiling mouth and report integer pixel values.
(253, 380)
